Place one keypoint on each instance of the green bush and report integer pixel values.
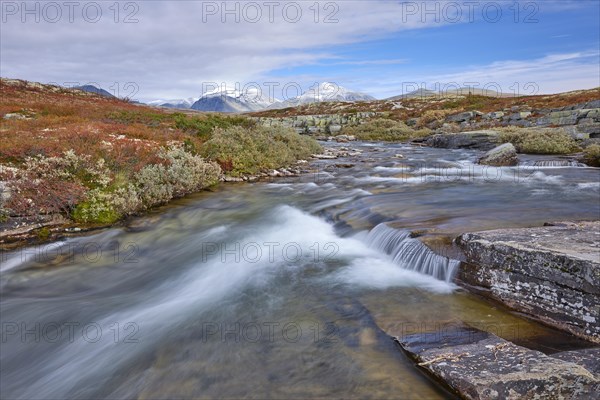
(203, 126)
(180, 173)
(591, 155)
(3, 215)
(385, 130)
(539, 140)
(242, 151)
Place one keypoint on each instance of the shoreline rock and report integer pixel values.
(480, 365)
(504, 155)
(550, 273)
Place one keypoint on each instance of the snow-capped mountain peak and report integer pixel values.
(226, 99)
(325, 91)
(175, 103)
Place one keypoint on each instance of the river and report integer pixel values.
(280, 289)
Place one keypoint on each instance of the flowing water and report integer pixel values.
(279, 289)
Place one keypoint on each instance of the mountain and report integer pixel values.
(325, 91)
(416, 94)
(232, 101)
(94, 89)
(463, 91)
(176, 103)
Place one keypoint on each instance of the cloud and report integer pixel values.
(552, 73)
(177, 44)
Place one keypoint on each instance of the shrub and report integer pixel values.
(180, 173)
(249, 151)
(591, 155)
(385, 130)
(203, 126)
(539, 140)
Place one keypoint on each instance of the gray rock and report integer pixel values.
(560, 118)
(16, 116)
(551, 273)
(464, 116)
(494, 115)
(335, 128)
(345, 138)
(412, 121)
(593, 130)
(481, 140)
(521, 122)
(593, 104)
(479, 365)
(504, 155)
(587, 358)
(520, 115)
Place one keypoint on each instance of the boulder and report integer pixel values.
(504, 155)
(412, 121)
(345, 138)
(480, 365)
(335, 128)
(464, 116)
(550, 273)
(480, 140)
(494, 115)
(520, 115)
(15, 116)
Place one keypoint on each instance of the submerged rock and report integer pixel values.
(480, 365)
(504, 155)
(551, 273)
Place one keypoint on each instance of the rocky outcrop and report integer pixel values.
(581, 121)
(504, 155)
(480, 140)
(319, 124)
(550, 273)
(479, 365)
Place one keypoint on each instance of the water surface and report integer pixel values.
(277, 289)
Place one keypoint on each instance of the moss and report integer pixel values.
(43, 233)
(385, 130)
(591, 155)
(92, 212)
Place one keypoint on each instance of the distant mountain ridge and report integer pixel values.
(326, 91)
(174, 103)
(232, 100)
(462, 91)
(94, 89)
(228, 100)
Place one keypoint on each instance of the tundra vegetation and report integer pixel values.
(539, 140)
(385, 130)
(97, 160)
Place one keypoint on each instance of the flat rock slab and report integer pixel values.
(480, 140)
(587, 358)
(479, 365)
(551, 273)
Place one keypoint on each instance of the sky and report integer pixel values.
(148, 50)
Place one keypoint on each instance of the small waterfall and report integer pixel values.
(410, 253)
(558, 163)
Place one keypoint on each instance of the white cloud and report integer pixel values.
(552, 73)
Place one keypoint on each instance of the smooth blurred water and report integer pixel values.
(275, 289)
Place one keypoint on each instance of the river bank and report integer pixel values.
(186, 273)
